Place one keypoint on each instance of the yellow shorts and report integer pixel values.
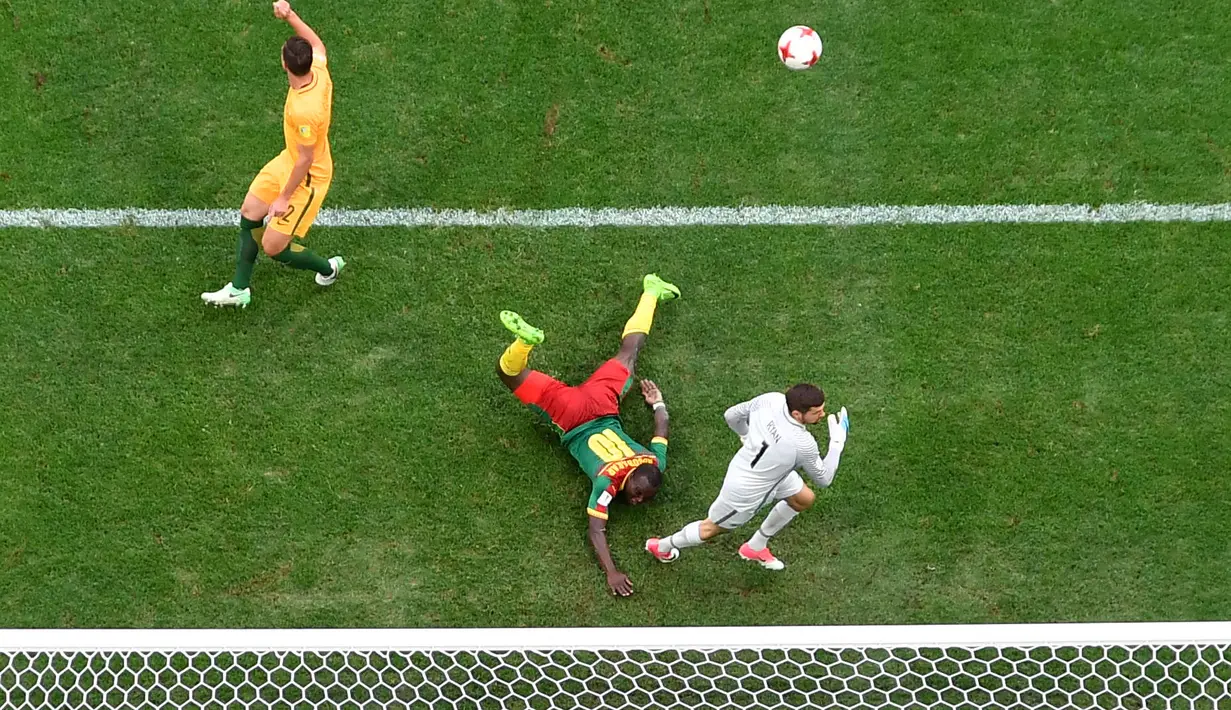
(305, 201)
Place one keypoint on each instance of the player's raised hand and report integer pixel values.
(650, 391)
(839, 425)
(282, 9)
(620, 584)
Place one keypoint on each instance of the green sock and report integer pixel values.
(298, 257)
(246, 251)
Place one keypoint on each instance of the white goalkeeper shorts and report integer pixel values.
(738, 501)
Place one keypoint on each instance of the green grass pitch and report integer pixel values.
(1039, 413)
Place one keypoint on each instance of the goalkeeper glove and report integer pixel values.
(839, 425)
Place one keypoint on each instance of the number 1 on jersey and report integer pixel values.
(764, 448)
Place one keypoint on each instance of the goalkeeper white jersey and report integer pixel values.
(774, 445)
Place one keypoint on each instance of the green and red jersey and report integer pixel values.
(608, 455)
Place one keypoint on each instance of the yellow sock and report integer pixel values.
(643, 317)
(515, 357)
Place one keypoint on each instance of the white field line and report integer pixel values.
(854, 216)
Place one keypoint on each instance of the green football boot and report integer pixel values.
(663, 290)
(525, 332)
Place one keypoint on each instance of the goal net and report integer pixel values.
(1149, 665)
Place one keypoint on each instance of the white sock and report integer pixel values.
(688, 536)
(777, 519)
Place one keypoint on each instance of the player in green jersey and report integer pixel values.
(587, 418)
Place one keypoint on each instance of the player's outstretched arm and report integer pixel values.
(654, 398)
(283, 11)
(822, 470)
(617, 580)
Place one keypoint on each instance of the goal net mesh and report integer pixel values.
(1153, 675)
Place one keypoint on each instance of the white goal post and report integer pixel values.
(1134, 665)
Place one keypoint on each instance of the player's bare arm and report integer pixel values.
(283, 11)
(303, 164)
(616, 580)
(653, 398)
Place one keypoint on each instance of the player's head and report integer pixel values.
(297, 56)
(806, 403)
(642, 484)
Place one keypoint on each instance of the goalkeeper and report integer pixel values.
(587, 418)
(776, 442)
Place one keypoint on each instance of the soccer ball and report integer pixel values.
(799, 47)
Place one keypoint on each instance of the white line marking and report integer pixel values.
(853, 216)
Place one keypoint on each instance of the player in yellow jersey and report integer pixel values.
(290, 188)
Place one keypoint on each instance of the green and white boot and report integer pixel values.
(228, 296)
(338, 263)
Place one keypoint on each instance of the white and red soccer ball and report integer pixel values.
(799, 47)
